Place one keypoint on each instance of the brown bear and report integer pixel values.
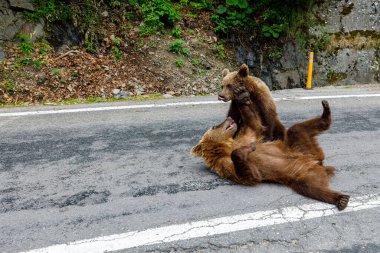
(260, 96)
(246, 162)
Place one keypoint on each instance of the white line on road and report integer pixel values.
(210, 227)
(128, 107)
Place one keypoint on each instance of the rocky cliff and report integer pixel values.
(12, 21)
(351, 30)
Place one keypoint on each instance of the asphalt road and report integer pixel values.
(80, 175)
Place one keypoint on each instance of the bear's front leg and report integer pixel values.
(250, 118)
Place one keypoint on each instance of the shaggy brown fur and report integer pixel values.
(261, 99)
(285, 162)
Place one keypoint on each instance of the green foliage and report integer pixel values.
(157, 15)
(55, 72)
(90, 42)
(201, 4)
(275, 53)
(37, 63)
(271, 18)
(197, 4)
(43, 48)
(117, 41)
(115, 3)
(116, 52)
(177, 47)
(25, 44)
(179, 62)
(272, 31)
(8, 85)
(176, 32)
(319, 43)
(221, 51)
(195, 62)
(51, 10)
(234, 14)
(333, 77)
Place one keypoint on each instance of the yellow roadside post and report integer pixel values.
(310, 71)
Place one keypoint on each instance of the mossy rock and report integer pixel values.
(333, 77)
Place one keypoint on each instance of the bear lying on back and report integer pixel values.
(261, 98)
(244, 162)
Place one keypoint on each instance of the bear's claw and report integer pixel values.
(342, 202)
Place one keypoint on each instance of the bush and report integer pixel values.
(179, 62)
(157, 15)
(176, 32)
(270, 18)
(25, 44)
(178, 48)
(51, 10)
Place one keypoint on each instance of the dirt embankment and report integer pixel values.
(123, 66)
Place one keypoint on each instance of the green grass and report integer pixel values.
(104, 100)
(75, 101)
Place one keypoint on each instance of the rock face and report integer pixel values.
(348, 66)
(352, 56)
(12, 20)
(2, 54)
(349, 16)
(22, 4)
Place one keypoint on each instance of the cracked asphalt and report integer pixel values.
(74, 176)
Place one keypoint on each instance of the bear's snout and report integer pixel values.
(222, 97)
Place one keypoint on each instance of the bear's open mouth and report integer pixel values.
(231, 126)
(221, 98)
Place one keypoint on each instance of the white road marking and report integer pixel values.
(328, 96)
(129, 107)
(210, 227)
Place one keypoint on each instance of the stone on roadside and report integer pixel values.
(139, 91)
(132, 84)
(125, 94)
(115, 91)
(166, 95)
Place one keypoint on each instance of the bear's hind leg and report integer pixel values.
(323, 193)
(301, 136)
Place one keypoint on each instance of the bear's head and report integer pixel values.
(232, 80)
(217, 141)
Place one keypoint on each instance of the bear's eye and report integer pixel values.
(213, 127)
(229, 86)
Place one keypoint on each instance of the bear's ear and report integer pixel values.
(197, 150)
(225, 72)
(243, 71)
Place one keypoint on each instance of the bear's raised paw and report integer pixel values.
(241, 95)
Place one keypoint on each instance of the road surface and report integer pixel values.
(120, 177)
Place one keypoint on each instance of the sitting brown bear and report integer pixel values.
(240, 160)
(261, 98)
